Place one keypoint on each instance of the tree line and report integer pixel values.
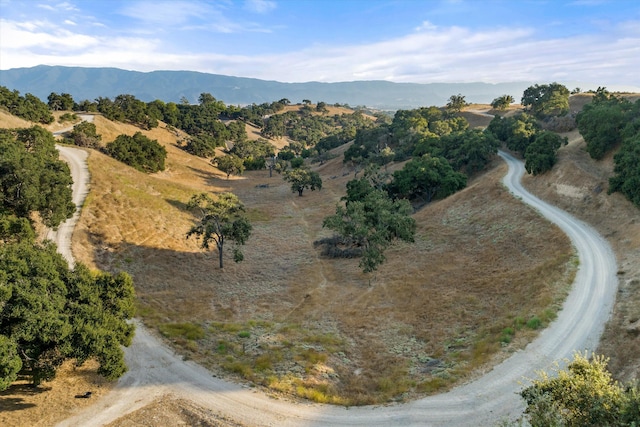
(608, 122)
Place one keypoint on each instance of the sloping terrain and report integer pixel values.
(418, 307)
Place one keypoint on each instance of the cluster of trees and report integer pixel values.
(32, 178)
(610, 121)
(28, 107)
(138, 151)
(61, 102)
(583, 394)
(522, 133)
(315, 134)
(48, 312)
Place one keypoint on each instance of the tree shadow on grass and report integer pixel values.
(12, 399)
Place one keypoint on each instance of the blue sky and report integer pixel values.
(420, 41)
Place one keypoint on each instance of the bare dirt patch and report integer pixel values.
(170, 411)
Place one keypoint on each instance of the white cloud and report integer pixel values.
(69, 22)
(427, 54)
(260, 6)
(40, 35)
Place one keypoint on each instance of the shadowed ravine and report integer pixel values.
(154, 370)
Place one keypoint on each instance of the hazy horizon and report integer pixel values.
(290, 41)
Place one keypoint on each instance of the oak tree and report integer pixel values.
(220, 220)
(301, 178)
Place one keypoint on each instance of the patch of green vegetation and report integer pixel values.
(432, 385)
(244, 334)
(507, 335)
(187, 330)
(240, 368)
(534, 323)
(257, 215)
(67, 117)
(328, 341)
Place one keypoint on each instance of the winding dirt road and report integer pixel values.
(155, 371)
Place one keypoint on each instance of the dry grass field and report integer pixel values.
(484, 275)
(281, 318)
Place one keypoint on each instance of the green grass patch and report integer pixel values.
(257, 215)
(239, 367)
(432, 385)
(190, 331)
(507, 335)
(328, 341)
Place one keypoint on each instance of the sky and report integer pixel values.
(417, 41)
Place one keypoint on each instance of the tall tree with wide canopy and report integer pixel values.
(369, 219)
(547, 100)
(220, 220)
(49, 314)
(301, 178)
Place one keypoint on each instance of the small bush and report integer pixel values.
(534, 323)
(507, 335)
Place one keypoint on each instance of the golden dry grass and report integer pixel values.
(481, 262)
(437, 298)
(24, 406)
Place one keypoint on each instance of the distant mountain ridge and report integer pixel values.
(90, 83)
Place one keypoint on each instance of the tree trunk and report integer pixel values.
(300, 191)
(220, 255)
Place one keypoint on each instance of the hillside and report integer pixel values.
(418, 308)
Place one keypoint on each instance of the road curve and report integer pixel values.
(154, 370)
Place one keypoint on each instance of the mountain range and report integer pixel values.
(90, 83)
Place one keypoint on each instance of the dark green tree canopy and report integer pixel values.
(371, 221)
(62, 101)
(546, 100)
(302, 178)
(220, 220)
(32, 178)
(627, 170)
(229, 164)
(427, 178)
(49, 313)
(601, 123)
(138, 151)
(84, 134)
(455, 104)
(502, 102)
(28, 107)
(541, 154)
